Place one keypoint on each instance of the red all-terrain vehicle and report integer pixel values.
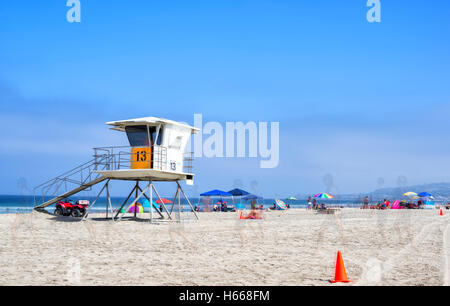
(70, 208)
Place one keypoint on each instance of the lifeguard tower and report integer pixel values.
(156, 153)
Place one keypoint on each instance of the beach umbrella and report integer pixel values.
(424, 195)
(324, 195)
(280, 205)
(165, 201)
(410, 194)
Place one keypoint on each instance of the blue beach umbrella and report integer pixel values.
(425, 195)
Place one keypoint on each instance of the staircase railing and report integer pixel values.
(69, 180)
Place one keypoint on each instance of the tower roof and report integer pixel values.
(152, 121)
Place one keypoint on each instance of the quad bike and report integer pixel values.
(70, 208)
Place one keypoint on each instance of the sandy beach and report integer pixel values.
(295, 247)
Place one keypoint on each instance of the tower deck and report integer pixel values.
(145, 175)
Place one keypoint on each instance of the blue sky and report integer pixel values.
(357, 100)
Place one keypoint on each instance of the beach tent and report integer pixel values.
(280, 205)
(429, 204)
(396, 205)
(428, 199)
(216, 193)
(146, 204)
(140, 208)
(252, 197)
(238, 193)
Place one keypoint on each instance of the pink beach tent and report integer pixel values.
(396, 205)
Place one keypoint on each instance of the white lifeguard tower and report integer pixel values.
(156, 153)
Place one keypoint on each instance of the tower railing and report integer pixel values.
(125, 157)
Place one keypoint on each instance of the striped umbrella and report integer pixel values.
(324, 195)
(410, 194)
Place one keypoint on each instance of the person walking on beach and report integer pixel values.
(314, 204)
(309, 203)
(366, 203)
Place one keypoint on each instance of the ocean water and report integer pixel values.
(18, 204)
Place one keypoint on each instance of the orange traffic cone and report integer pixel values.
(340, 276)
(441, 212)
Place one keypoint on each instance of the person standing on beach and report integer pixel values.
(309, 203)
(314, 204)
(366, 203)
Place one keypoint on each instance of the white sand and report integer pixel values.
(288, 248)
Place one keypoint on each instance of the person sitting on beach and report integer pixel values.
(255, 214)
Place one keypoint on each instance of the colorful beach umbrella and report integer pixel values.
(280, 205)
(324, 196)
(410, 194)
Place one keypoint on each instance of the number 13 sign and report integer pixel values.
(140, 158)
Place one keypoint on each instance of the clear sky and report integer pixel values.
(362, 103)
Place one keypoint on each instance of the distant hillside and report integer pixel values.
(438, 190)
